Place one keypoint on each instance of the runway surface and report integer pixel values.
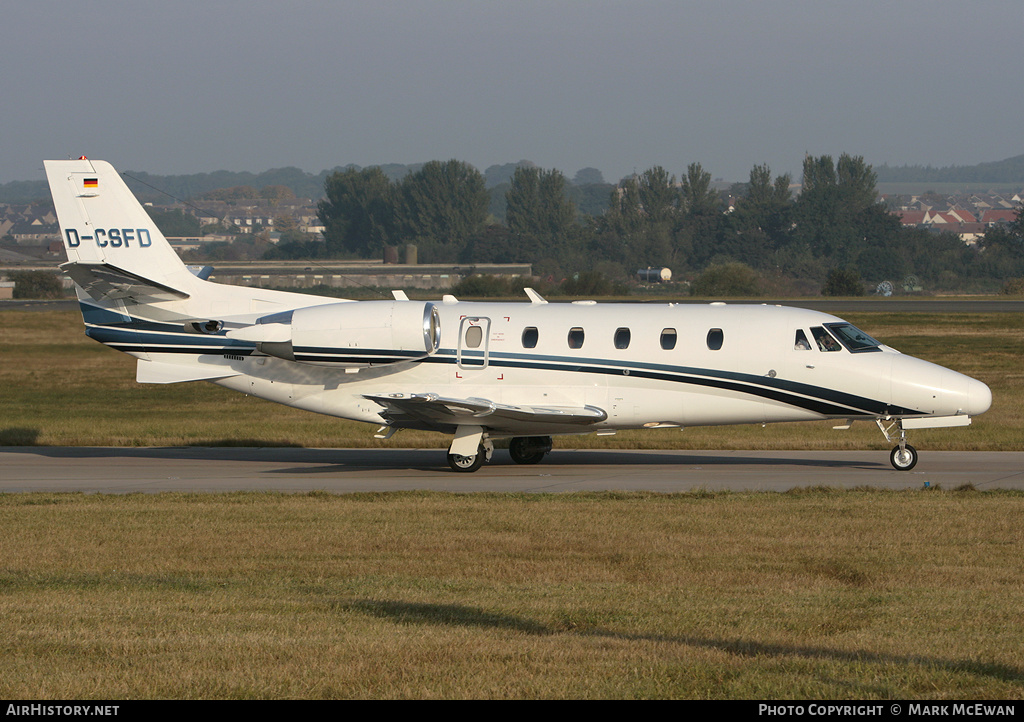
(200, 469)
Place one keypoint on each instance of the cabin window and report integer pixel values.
(715, 339)
(474, 335)
(824, 340)
(622, 338)
(530, 337)
(853, 338)
(668, 338)
(801, 343)
(575, 337)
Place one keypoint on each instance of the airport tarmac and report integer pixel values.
(203, 469)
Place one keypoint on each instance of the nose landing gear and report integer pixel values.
(903, 456)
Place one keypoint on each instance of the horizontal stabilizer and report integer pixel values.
(433, 411)
(104, 282)
(155, 372)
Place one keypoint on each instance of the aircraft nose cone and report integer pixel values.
(927, 388)
(979, 398)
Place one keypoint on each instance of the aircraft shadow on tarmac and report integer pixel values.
(433, 460)
(338, 460)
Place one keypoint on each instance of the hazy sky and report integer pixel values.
(187, 86)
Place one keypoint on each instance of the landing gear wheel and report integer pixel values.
(903, 459)
(467, 463)
(529, 450)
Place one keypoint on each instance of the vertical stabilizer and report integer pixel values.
(109, 237)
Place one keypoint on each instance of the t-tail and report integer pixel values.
(119, 258)
(115, 250)
(136, 294)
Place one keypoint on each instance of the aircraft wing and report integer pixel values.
(437, 413)
(103, 281)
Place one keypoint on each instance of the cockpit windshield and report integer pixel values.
(855, 340)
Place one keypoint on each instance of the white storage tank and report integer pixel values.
(654, 275)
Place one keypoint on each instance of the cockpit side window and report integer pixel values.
(824, 340)
(801, 343)
(853, 338)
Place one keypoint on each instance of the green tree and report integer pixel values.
(36, 284)
(699, 198)
(289, 231)
(698, 234)
(588, 176)
(659, 196)
(727, 279)
(522, 201)
(616, 233)
(838, 217)
(639, 226)
(234, 193)
(539, 213)
(358, 212)
(174, 223)
(486, 286)
(1002, 254)
(591, 283)
(767, 204)
(843, 282)
(760, 222)
(441, 207)
(277, 193)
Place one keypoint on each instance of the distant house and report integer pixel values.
(970, 233)
(964, 216)
(33, 233)
(912, 218)
(992, 217)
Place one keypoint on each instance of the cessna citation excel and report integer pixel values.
(483, 371)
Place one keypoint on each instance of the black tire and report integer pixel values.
(903, 461)
(467, 464)
(524, 449)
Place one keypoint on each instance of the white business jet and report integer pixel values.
(484, 371)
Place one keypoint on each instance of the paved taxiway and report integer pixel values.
(198, 469)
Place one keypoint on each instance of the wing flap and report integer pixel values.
(157, 372)
(444, 414)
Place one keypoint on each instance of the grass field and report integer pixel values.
(810, 595)
(61, 388)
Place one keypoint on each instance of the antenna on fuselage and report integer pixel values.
(534, 296)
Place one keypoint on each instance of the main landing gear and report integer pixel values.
(522, 449)
(529, 449)
(468, 463)
(903, 456)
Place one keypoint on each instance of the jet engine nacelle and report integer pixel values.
(349, 334)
